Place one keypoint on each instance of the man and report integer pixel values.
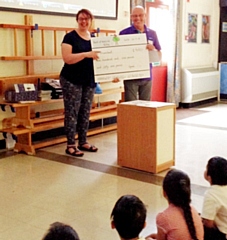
(140, 87)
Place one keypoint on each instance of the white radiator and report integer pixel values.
(200, 84)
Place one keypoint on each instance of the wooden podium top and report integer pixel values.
(149, 104)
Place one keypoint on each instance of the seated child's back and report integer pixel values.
(214, 212)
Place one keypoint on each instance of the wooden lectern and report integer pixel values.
(146, 135)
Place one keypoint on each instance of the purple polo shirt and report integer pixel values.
(151, 36)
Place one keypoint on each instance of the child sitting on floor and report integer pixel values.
(128, 217)
(60, 231)
(214, 212)
(180, 221)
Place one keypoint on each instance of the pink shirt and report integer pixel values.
(173, 223)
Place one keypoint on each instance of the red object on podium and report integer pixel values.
(159, 83)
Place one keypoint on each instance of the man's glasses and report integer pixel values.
(140, 16)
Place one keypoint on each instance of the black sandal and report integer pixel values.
(75, 153)
(91, 148)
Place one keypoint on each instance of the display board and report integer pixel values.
(100, 8)
(125, 57)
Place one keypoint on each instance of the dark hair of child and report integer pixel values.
(217, 170)
(60, 231)
(129, 215)
(176, 185)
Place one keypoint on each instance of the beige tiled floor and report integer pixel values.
(36, 191)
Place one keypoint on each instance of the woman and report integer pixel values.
(78, 85)
(180, 220)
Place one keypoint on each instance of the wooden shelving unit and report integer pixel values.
(29, 29)
(24, 123)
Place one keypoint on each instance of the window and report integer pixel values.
(158, 19)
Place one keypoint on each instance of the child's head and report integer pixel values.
(128, 216)
(60, 231)
(176, 186)
(216, 171)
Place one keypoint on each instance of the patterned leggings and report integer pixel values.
(77, 103)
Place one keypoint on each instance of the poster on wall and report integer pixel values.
(192, 28)
(205, 29)
(224, 26)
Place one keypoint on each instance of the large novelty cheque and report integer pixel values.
(124, 57)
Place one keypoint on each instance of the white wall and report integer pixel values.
(200, 54)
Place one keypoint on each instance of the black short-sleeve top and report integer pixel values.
(80, 73)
